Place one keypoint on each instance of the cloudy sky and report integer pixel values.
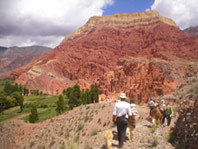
(47, 22)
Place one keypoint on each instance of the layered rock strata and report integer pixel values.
(96, 49)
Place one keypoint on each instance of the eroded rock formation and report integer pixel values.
(96, 48)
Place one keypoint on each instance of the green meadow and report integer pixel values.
(46, 106)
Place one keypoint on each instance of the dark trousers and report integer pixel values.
(164, 116)
(168, 117)
(121, 128)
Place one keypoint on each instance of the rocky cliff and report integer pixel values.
(95, 50)
(185, 134)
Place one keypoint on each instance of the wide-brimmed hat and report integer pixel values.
(123, 95)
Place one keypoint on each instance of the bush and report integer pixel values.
(11, 101)
(33, 118)
(94, 131)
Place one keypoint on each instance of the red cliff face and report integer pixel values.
(95, 50)
(143, 78)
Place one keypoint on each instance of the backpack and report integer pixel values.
(169, 110)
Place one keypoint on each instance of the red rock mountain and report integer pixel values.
(14, 57)
(142, 54)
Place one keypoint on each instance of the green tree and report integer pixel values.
(11, 101)
(20, 88)
(15, 88)
(87, 97)
(27, 91)
(3, 102)
(33, 118)
(8, 88)
(37, 92)
(83, 97)
(94, 94)
(24, 91)
(41, 93)
(77, 95)
(60, 105)
(69, 92)
(64, 92)
(19, 98)
(16, 95)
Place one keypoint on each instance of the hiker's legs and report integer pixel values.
(168, 120)
(118, 130)
(121, 128)
(164, 116)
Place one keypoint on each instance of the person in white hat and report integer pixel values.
(121, 113)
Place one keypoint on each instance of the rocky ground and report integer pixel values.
(83, 127)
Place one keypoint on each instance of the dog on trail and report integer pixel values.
(156, 115)
(108, 139)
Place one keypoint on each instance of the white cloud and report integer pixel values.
(36, 21)
(183, 12)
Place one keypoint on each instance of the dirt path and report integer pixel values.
(145, 136)
(14, 118)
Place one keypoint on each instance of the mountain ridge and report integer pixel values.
(122, 20)
(87, 57)
(14, 57)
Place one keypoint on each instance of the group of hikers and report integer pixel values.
(124, 113)
(165, 109)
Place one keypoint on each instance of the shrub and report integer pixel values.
(71, 144)
(31, 144)
(94, 131)
(153, 129)
(80, 127)
(52, 143)
(34, 115)
(99, 121)
(169, 136)
(153, 142)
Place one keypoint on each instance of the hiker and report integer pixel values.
(163, 110)
(121, 114)
(133, 107)
(151, 104)
(167, 113)
(134, 112)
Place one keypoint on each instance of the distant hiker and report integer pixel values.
(121, 113)
(167, 114)
(162, 105)
(163, 110)
(133, 107)
(151, 104)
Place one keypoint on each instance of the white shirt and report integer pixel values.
(133, 109)
(151, 103)
(122, 108)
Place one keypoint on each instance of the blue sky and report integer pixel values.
(48, 22)
(128, 6)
